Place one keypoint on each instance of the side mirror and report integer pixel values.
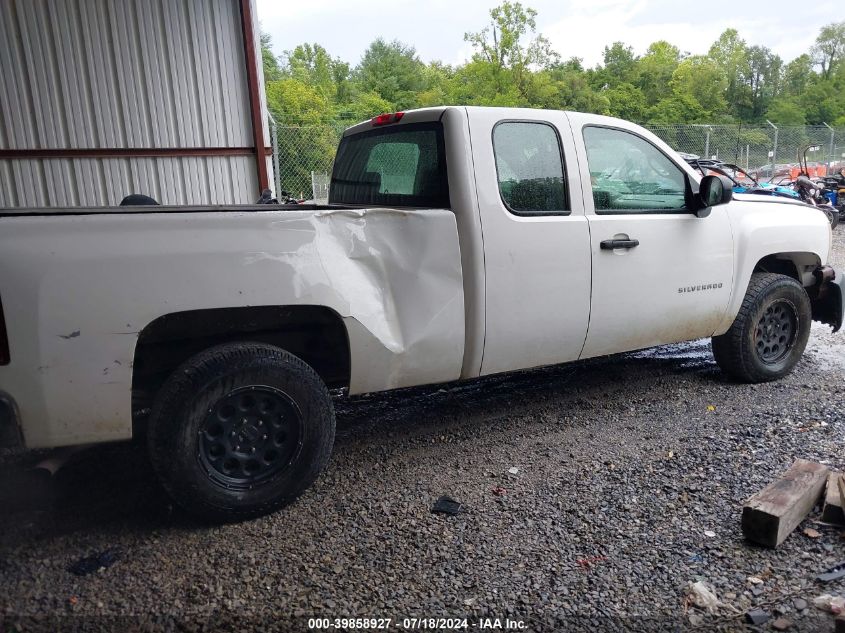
(713, 190)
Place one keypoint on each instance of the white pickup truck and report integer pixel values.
(458, 242)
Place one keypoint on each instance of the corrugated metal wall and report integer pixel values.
(99, 74)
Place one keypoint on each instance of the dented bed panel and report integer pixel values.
(77, 290)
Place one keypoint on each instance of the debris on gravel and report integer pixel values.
(833, 502)
(757, 616)
(827, 602)
(94, 562)
(771, 515)
(447, 505)
(834, 572)
(703, 597)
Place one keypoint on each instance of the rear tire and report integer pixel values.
(240, 430)
(768, 336)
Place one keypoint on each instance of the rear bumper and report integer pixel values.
(10, 427)
(828, 297)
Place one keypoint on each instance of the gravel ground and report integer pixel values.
(631, 475)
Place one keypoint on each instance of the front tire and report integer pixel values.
(768, 336)
(240, 430)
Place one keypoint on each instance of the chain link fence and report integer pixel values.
(766, 151)
(303, 154)
(303, 157)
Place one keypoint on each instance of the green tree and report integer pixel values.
(829, 48)
(655, 70)
(308, 140)
(763, 79)
(366, 105)
(702, 78)
(785, 111)
(677, 109)
(823, 101)
(513, 65)
(438, 78)
(392, 70)
(479, 83)
(292, 101)
(575, 92)
(626, 101)
(731, 54)
(510, 46)
(796, 75)
(620, 66)
(272, 70)
(312, 65)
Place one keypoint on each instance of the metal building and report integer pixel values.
(103, 98)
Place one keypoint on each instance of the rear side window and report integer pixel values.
(529, 168)
(400, 166)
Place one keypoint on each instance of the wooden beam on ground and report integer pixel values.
(770, 516)
(832, 511)
(841, 483)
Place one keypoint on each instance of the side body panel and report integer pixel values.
(464, 200)
(77, 290)
(674, 286)
(794, 231)
(537, 268)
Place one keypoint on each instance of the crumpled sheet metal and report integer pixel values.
(78, 290)
(396, 276)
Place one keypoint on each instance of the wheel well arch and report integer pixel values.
(314, 333)
(798, 265)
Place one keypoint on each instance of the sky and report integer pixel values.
(579, 28)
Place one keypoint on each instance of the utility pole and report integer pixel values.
(707, 143)
(774, 150)
(832, 138)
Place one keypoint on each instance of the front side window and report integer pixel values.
(630, 175)
(529, 168)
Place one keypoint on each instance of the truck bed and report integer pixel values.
(83, 290)
(47, 211)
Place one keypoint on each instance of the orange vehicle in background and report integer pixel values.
(812, 171)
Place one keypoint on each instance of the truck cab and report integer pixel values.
(581, 235)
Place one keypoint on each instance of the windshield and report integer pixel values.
(399, 166)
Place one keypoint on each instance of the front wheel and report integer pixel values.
(769, 334)
(240, 430)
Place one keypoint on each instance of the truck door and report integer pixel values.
(660, 274)
(536, 239)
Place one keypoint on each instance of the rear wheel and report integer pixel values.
(769, 334)
(240, 430)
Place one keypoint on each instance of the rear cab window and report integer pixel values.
(396, 166)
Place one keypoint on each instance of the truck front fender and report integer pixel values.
(798, 235)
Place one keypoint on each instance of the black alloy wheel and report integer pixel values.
(240, 430)
(249, 436)
(776, 330)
